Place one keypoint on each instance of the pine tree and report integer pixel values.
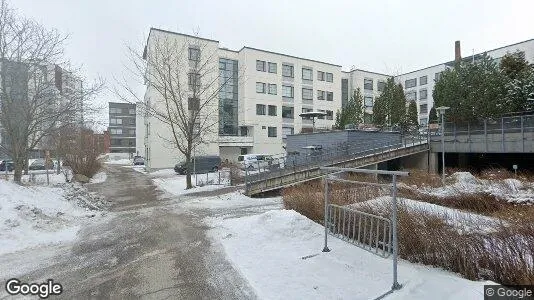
(390, 106)
(411, 114)
(519, 85)
(433, 115)
(352, 113)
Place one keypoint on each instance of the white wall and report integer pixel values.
(161, 150)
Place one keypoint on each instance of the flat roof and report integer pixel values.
(277, 53)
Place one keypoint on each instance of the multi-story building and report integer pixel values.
(264, 92)
(122, 127)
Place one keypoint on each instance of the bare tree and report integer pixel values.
(183, 85)
(37, 96)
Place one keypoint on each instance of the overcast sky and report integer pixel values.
(383, 36)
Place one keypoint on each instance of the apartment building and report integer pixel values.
(122, 127)
(264, 93)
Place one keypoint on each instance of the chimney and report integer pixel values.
(457, 52)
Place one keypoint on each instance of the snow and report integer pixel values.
(123, 161)
(35, 215)
(232, 201)
(175, 184)
(99, 177)
(279, 252)
(465, 221)
(511, 190)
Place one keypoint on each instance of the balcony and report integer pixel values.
(236, 140)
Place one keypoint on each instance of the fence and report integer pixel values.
(367, 231)
(281, 166)
(221, 177)
(366, 239)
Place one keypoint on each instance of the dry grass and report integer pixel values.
(503, 254)
(421, 179)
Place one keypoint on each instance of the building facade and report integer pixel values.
(122, 120)
(262, 94)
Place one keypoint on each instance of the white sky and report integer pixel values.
(383, 36)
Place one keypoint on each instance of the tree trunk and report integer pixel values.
(189, 184)
(19, 164)
(25, 163)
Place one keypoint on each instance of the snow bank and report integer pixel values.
(232, 201)
(511, 190)
(279, 252)
(175, 184)
(124, 161)
(465, 221)
(30, 216)
(99, 177)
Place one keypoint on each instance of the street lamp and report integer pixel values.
(441, 111)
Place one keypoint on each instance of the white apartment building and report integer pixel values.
(266, 91)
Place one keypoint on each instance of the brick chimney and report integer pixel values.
(457, 52)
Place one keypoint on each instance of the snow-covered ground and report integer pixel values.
(511, 190)
(36, 215)
(279, 252)
(464, 221)
(175, 184)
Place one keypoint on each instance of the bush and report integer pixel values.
(85, 165)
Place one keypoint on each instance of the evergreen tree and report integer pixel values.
(471, 90)
(433, 115)
(390, 107)
(519, 85)
(411, 114)
(352, 113)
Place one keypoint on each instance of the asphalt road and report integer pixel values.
(146, 250)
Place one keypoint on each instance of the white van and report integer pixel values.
(254, 161)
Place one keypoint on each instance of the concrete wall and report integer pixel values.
(513, 143)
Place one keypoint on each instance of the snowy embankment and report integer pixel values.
(279, 252)
(37, 215)
(175, 184)
(511, 190)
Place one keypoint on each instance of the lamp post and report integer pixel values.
(441, 111)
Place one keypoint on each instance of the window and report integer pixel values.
(194, 54)
(307, 110)
(113, 110)
(260, 109)
(260, 87)
(423, 80)
(115, 131)
(329, 77)
(437, 76)
(321, 117)
(271, 132)
(307, 94)
(329, 115)
(368, 101)
(260, 65)
(329, 96)
(410, 83)
(115, 121)
(307, 74)
(422, 94)
(320, 75)
(287, 112)
(288, 71)
(287, 131)
(273, 67)
(320, 95)
(411, 96)
(131, 131)
(423, 109)
(380, 86)
(194, 80)
(131, 111)
(368, 84)
(193, 103)
(272, 110)
(287, 91)
(132, 121)
(272, 89)
(423, 121)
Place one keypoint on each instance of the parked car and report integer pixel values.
(39, 164)
(9, 164)
(254, 161)
(138, 161)
(199, 164)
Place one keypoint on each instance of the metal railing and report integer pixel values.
(367, 231)
(285, 165)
